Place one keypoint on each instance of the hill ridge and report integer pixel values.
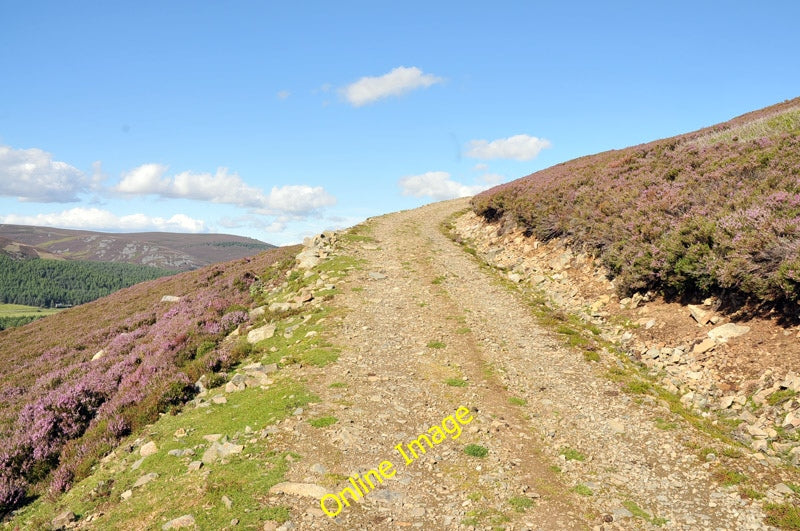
(176, 251)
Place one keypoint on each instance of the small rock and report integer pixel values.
(277, 307)
(791, 381)
(616, 425)
(100, 353)
(699, 315)
(257, 312)
(62, 520)
(227, 502)
(136, 464)
(704, 346)
(148, 449)
(187, 520)
(318, 469)
(221, 451)
(219, 399)
(126, 495)
(144, 480)
(170, 298)
(792, 420)
(621, 512)
(728, 331)
(195, 465)
(180, 433)
(309, 490)
(388, 496)
(726, 402)
(261, 333)
(212, 437)
(374, 275)
(782, 488)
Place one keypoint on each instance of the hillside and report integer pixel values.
(74, 383)
(390, 366)
(158, 249)
(716, 211)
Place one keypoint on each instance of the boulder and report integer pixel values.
(170, 298)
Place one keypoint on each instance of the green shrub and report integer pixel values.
(476, 450)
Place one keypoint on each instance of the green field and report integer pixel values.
(12, 315)
(20, 310)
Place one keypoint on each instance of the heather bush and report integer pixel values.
(716, 211)
(61, 411)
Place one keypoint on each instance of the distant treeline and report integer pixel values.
(246, 245)
(47, 283)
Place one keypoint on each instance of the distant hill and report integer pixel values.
(174, 251)
(714, 211)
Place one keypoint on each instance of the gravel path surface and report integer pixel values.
(428, 330)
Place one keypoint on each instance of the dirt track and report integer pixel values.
(423, 312)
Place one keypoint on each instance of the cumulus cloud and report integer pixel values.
(299, 199)
(104, 220)
(396, 83)
(437, 185)
(517, 147)
(32, 175)
(225, 188)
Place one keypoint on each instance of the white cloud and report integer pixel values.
(397, 82)
(438, 185)
(32, 175)
(481, 166)
(144, 180)
(97, 219)
(224, 188)
(299, 199)
(283, 94)
(517, 147)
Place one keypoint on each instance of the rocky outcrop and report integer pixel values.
(768, 410)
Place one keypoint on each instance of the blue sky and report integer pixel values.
(278, 121)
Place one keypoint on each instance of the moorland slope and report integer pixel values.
(716, 211)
